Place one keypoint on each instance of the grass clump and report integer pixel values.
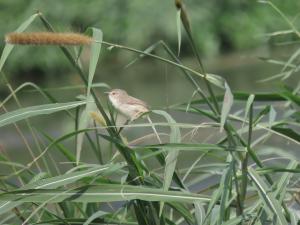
(236, 176)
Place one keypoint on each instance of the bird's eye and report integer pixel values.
(113, 93)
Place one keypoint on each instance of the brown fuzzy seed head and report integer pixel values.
(178, 4)
(47, 38)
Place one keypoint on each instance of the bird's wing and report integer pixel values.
(133, 100)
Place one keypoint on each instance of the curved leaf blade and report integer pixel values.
(27, 112)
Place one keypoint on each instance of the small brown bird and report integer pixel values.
(129, 106)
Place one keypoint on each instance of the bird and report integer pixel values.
(129, 106)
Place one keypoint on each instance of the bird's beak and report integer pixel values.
(107, 92)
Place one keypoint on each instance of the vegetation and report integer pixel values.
(216, 26)
(242, 171)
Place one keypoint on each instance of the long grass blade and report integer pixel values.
(27, 112)
(84, 118)
(178, 25)
(268, 197)
(9, 47)
(58, 181)
(102, 193)
(171, 158)
(227, 104)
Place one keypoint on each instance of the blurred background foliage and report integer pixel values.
(219, 27)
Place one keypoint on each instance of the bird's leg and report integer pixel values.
(121, 128)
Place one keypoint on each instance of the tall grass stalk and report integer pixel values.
(233, 179)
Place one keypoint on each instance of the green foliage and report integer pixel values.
(216, 25)
(242, 170)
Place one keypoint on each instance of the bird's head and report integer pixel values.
(116, 93)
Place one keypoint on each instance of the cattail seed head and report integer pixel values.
(178, 4)
(183, 15)
(47, 38)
